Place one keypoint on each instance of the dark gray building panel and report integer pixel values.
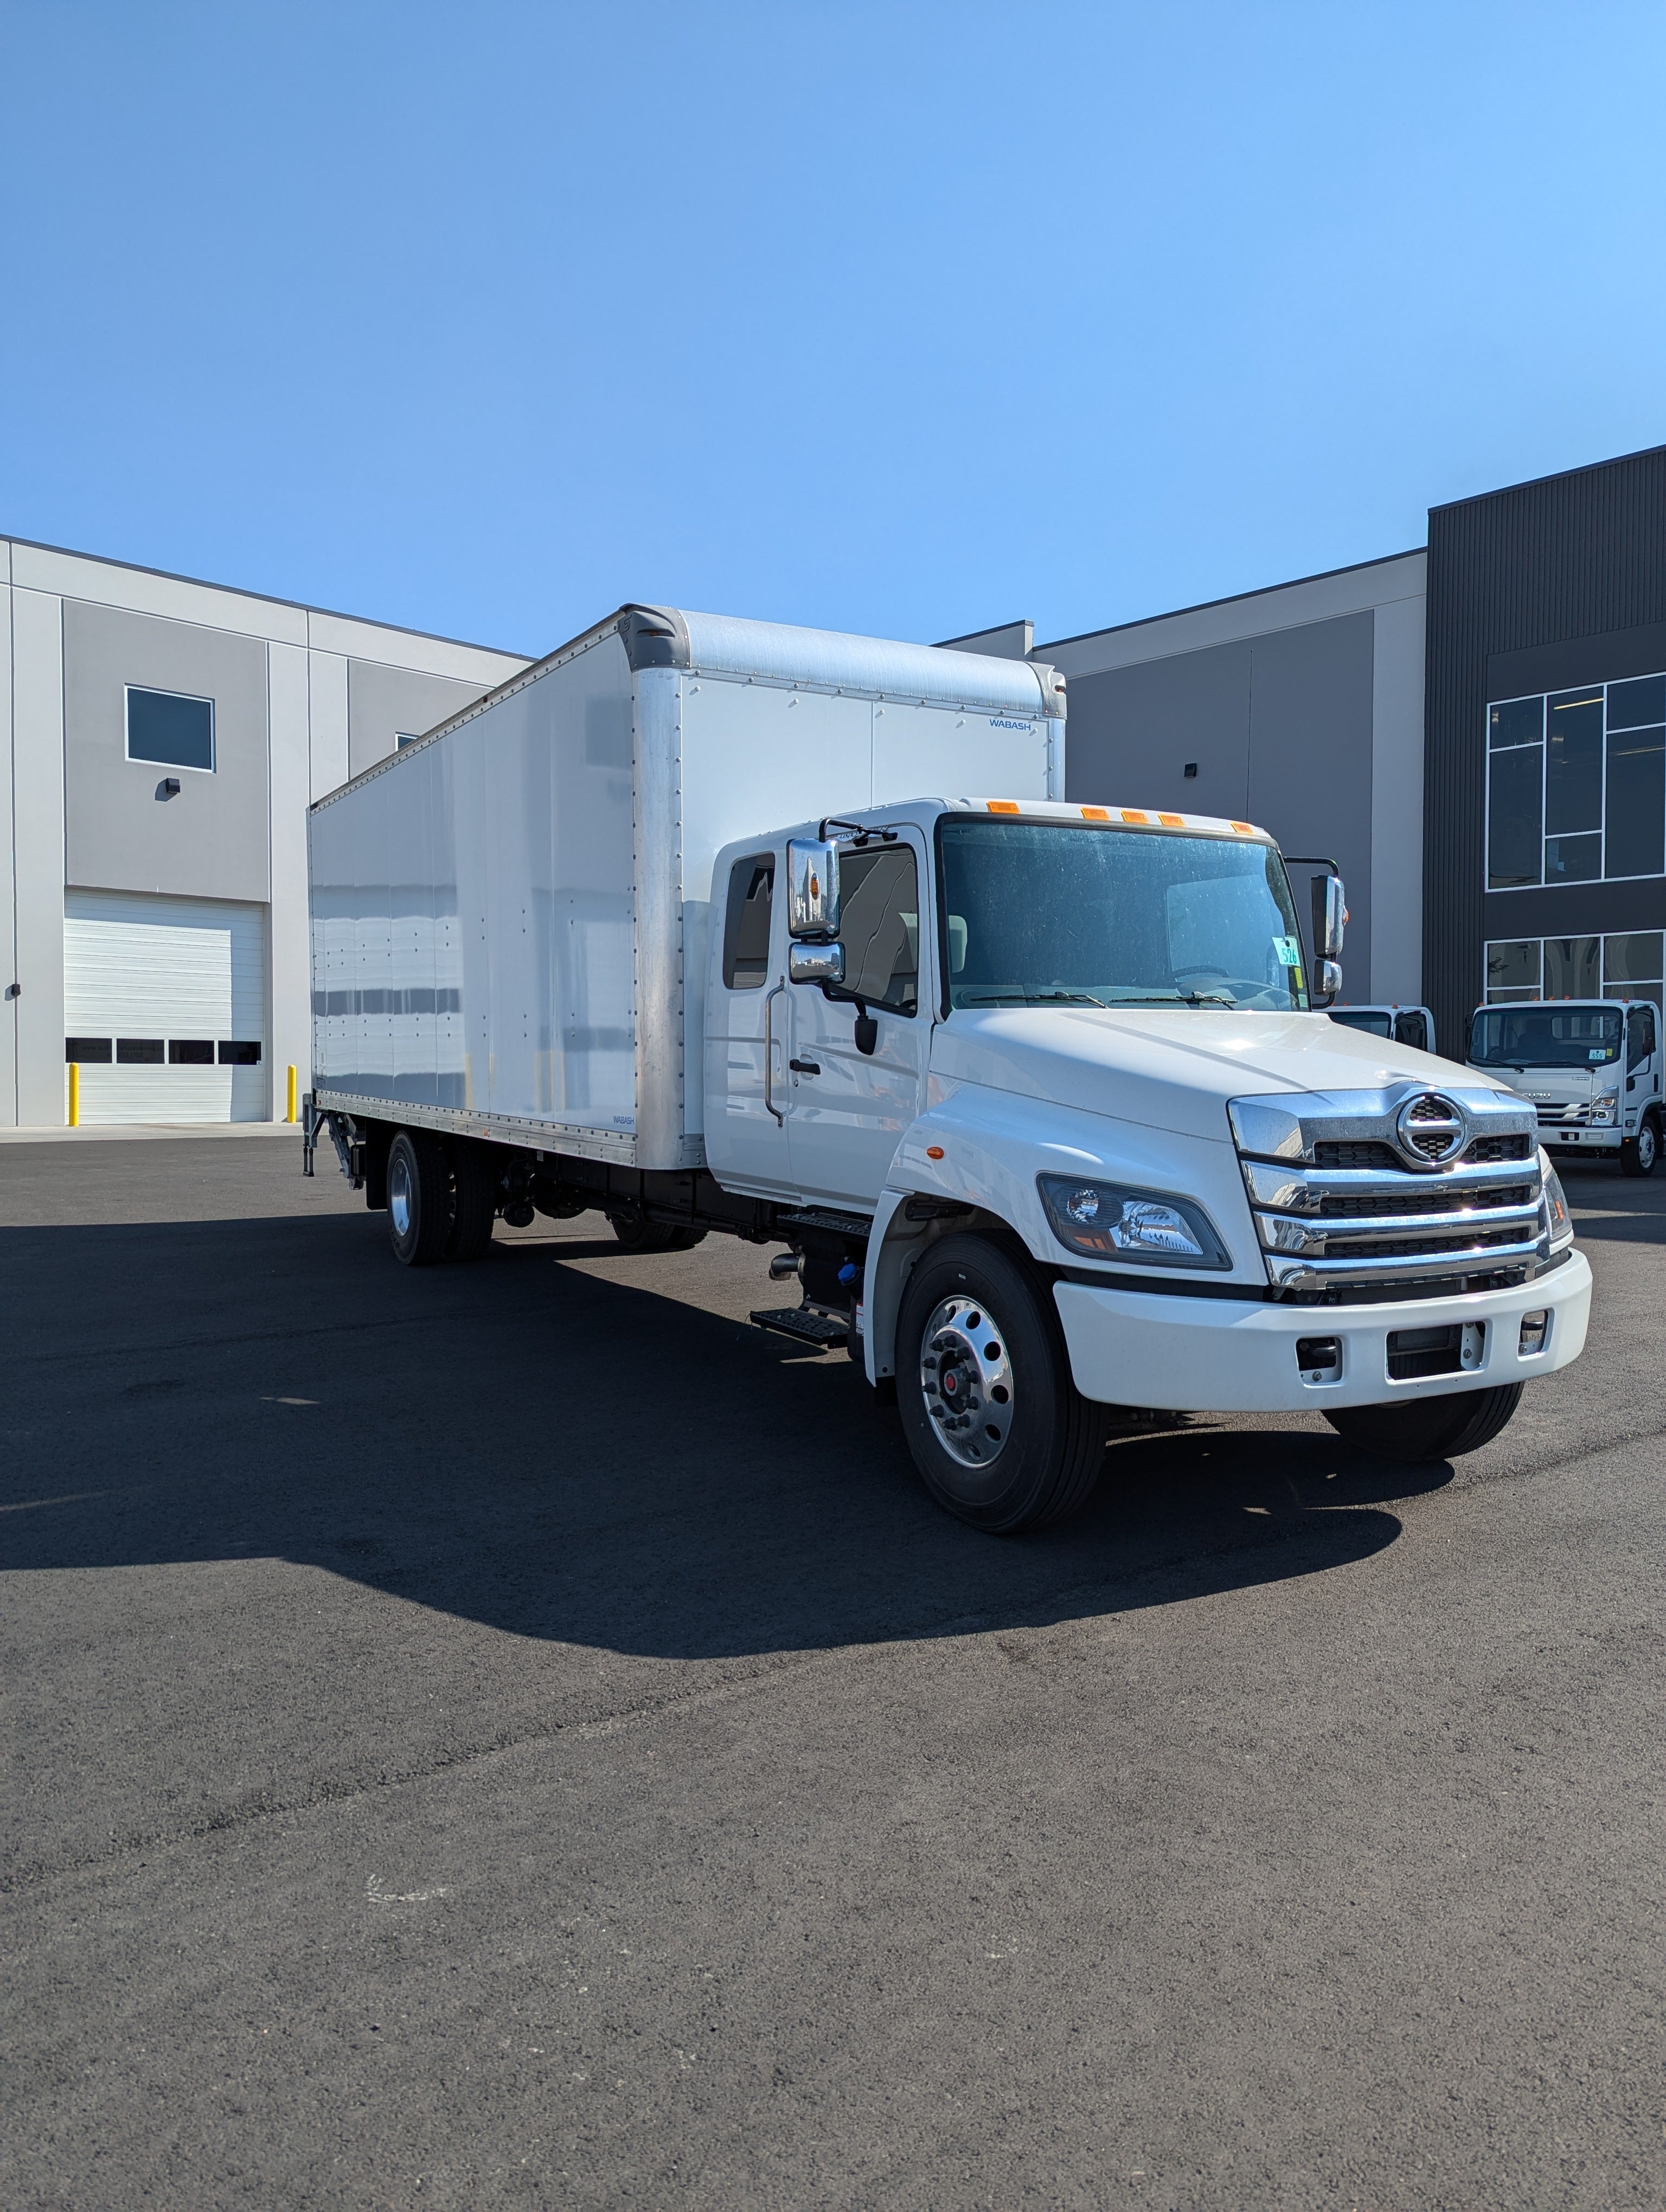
(210, 841)
(1279, 727)
(1541, 587)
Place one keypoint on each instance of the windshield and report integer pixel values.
(1044, 913)
(1538, 1035)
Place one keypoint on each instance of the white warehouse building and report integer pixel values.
(162, 740)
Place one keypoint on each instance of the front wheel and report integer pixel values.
(1436, 1428)
(1639, 1154)
(1002, 1436)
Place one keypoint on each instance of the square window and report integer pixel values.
(239, 1052)
(1573, 860)
(1513, 964)
(1633, 959)
(1573, 968)
(139, 1052)
(170, 728)
(191, 1052)
(1515, 722)
(1642, 700)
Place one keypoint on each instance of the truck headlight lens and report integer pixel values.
(1562, 1221)
(1110, 1221)
(1605, 1110)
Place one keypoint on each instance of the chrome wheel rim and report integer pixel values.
(398, 1195)
(1646, 1145)
(966, 1380)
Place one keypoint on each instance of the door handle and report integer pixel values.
(778, 991)
(804, 1066)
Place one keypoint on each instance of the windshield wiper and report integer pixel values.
(1208, 998)
(1080, 997)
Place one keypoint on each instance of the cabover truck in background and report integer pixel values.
(1590, 1068)
(1038, 1097)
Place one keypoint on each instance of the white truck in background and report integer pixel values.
(1590, 1069)
(1036, 1095)
(1412, 1025)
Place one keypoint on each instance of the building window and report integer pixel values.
(239, 1052)
(1576, 786)
(171, 728)
(1627, 966)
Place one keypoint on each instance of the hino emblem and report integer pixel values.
(1431, 1130)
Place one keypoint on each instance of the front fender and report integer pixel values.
(983, 1149)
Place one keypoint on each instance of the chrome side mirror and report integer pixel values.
(1328, 983)
(815, 963)
(1329, 916)
(813, 889)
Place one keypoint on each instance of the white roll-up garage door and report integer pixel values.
(165, 1008)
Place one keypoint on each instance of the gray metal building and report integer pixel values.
(161, 740)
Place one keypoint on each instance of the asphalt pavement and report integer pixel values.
(517, 1734)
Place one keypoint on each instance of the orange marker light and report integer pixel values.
(1172, 821)
(1003, 806)
(1132, 814)
(1095, 814)
(1244, 828)
(934, 1151)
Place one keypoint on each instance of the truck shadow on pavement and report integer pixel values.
(565, 1443)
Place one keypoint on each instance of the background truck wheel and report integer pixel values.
(1439, 1428)
(1639, 1154)
(418, 1198)
(474, 1199)
(654, 1236)
(997, 1428)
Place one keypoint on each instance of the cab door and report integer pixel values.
(747, 1047)
(849, 1109)
(1642, 1067)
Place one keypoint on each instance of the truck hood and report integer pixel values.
(1170, 1069)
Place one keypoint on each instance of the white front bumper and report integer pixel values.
(1219, 1356)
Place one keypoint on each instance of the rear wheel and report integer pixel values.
(474, 1197)
(998, 1429)
(418, 1198)
(1436, 1428)
(1639, 1154)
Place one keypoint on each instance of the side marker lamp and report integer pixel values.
(1111, 1221)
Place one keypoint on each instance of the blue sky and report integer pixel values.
(905, 319)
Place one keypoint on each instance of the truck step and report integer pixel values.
(857, 1225)
(825, 1331)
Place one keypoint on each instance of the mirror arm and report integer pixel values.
(867, 1026)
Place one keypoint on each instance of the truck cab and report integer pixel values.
(1590, 1068)
(1062, 1073)
(1412, 1025)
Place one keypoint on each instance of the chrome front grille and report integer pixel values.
(1576, 1115)
(1349, 1203)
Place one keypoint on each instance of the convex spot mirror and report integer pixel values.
(816, 964)
(812, 888)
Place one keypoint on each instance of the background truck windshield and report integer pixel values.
(1042, 913)
(1545, 1037)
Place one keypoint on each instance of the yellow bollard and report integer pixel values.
(75, 1094)
(290, 1115)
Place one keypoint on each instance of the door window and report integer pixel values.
(880, 926)
(746, 926)
(1642, 1038)
(1412, 1030)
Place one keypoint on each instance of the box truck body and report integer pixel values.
(509, 917)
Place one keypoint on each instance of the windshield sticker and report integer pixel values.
(1289, 951)
(1599, 1052)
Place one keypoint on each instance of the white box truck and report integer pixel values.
(1039, 1098)
(1590, 1068)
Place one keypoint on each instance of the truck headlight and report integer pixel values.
(1561, 1221)
(1605, 1110)
(1110, 1221)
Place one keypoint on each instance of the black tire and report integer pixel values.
(654, 1236)
(475, 1194)
(418, 1198)
(1640, 1155)
(1046, 1453)
(1436, 1428)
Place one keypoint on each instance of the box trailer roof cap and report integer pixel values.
(782, 653)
